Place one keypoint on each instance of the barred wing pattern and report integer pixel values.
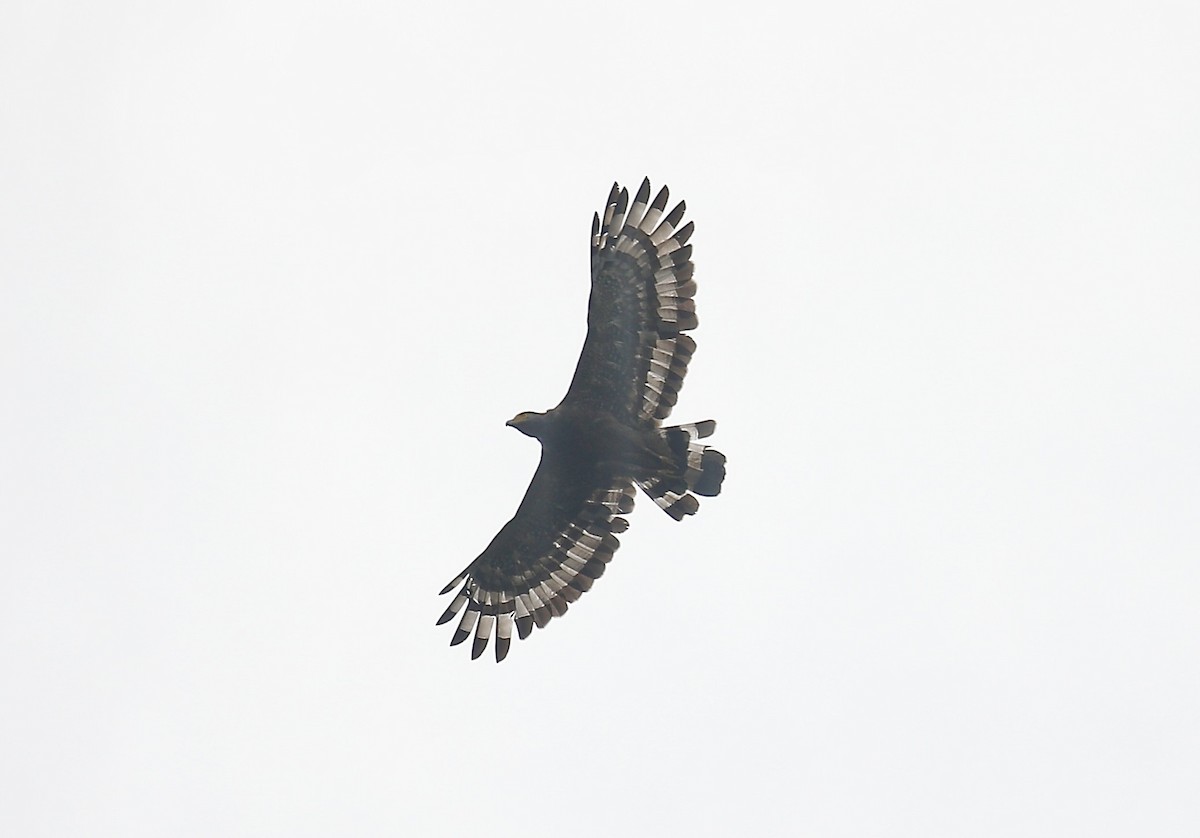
(635, 355)
(539, 563)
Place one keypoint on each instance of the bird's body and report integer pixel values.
(605, 436)
(597, 443)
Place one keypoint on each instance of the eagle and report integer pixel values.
(605, 436)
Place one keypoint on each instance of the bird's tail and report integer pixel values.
(697, 468)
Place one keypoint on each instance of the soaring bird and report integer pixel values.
(605, 436)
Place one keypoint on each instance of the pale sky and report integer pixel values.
(274, 275)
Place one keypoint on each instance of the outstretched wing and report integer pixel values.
(557, 544)
(636, 355)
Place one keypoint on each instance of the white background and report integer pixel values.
(275, 274)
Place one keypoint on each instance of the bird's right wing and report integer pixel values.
(557, 544)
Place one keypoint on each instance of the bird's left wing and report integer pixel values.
(557, 544)
(636, 353)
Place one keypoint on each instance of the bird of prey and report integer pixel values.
(605, 436)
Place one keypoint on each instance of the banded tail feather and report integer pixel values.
(697, 469)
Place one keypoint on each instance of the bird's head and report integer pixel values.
(529, 423)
